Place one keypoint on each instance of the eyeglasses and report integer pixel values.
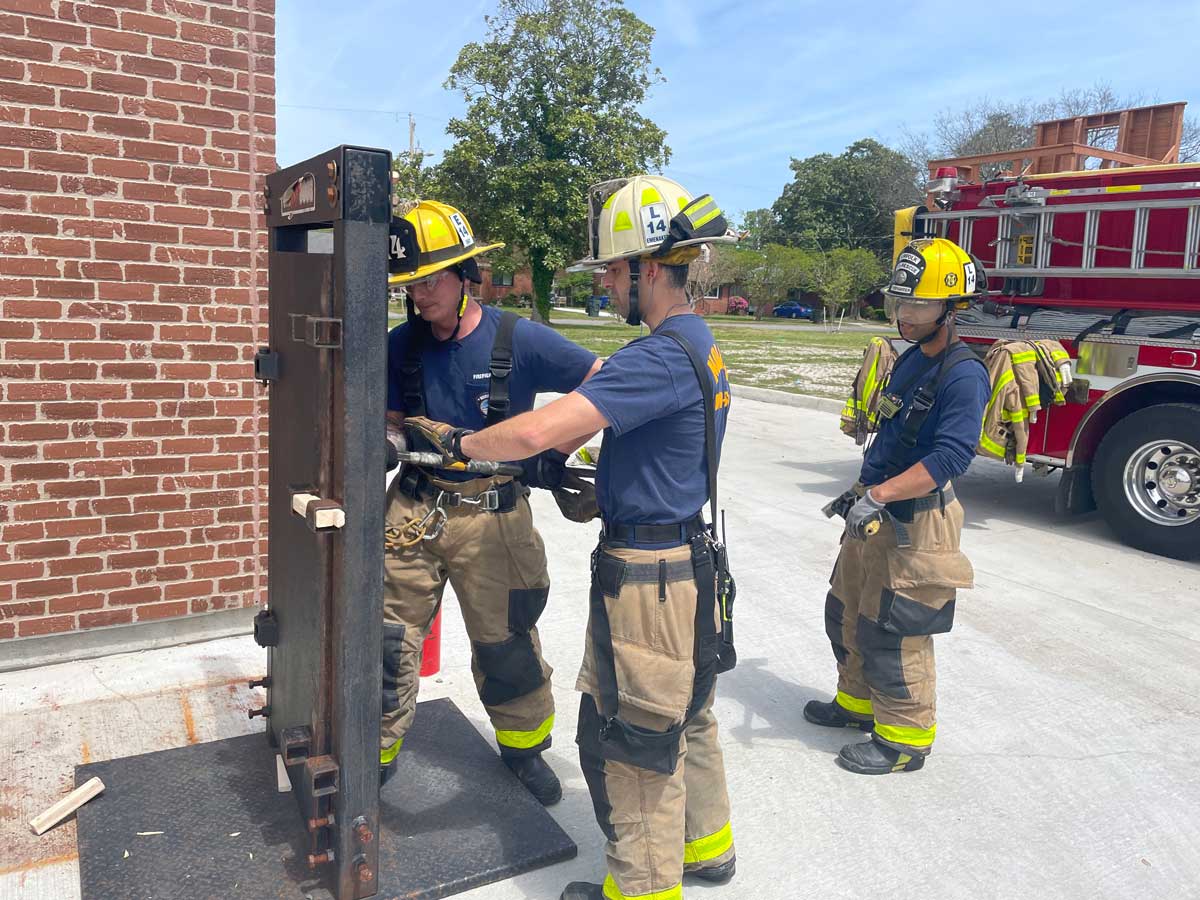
(430, 282)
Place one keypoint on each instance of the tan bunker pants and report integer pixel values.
(496, 563)
(648, 743)
(885, 603)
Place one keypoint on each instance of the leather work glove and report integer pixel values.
(862, 514)
(544, 470)
(576, 497)
(438, 436)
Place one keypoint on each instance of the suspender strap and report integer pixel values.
(711, 459)
(500, 368)
(412, 378)
(926, 395)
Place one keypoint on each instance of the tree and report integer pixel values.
(574, 285)
(846, 200)
(711, 270)
(553, 94)
(758, 227)
(842, 277)
(412, 180)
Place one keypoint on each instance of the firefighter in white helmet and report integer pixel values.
(900, 566)
(660, 623)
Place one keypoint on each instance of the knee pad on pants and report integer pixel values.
(393, 647)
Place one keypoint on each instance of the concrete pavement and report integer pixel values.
(1068, 717)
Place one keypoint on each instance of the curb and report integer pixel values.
(28, 653)
(784, 398)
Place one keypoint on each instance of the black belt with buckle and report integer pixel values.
(677, 533)
(906, 510)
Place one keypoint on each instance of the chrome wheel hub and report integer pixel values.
(1162, 482)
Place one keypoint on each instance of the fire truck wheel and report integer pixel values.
(1146, 479)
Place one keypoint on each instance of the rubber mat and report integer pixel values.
(205, 821)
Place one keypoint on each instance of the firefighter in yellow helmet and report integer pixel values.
(469, 365)
(660, 626)
(899, 568)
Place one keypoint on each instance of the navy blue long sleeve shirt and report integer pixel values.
(946, 442)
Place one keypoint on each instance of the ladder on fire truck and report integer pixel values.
(1025, 230)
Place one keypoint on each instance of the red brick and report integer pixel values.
(105, 618)
(58, 162)
(43, 550)
(130, 370)
(97, 59)
(76, 603)
(91, 145)
(20, 571)
(153, 68)
(124, 41)
(68, 371)
(77, 290)
(158, 193)
(105, 581)
(70, 410)
(90, 228)
(39, 50)
(96, 15)
(163, 48)
(74, 528)
(151, 233)
(32, 627)
(28, 608)
(120, 168)
(122, 126)
(157, 274)
(28, 224)
(20, 330)
(34, 350)
(113, 311)
(89, 100)
(114, 291)
(61, 32)
(29, 94)
(118, 84)
(59, 75)
(115, 332)
(125, 250)
(33, 138)
(30, 181)
(151, 151)
(101, 390)
(67, 331)
(161, 611)
(45, 588)
(136, 595)
(37, 391)
(130, 448)
(103, 544)
(95, 187)
(127, 212)
(61, 206)
(212, 118)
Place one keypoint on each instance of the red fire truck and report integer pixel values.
(1106, 261)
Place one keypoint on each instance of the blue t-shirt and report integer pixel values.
(947, 440)
(456, 373)
(651, 469)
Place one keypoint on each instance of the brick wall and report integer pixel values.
(133, 136)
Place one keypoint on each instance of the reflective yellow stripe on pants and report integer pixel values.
(710, 847)
(390, 753)
(903, 734)
(854, 704)
(523, 740)
(612, 892)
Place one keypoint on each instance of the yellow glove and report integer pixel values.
(438, 436)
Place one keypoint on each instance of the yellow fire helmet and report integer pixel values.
(935, 270)
(443, 237)
(652, 217)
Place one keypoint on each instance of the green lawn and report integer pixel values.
(803, 361)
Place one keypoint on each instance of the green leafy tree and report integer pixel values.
(552, 95)
(845, 201)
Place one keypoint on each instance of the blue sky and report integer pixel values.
(750, 84)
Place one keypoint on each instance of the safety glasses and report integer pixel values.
(429, 282)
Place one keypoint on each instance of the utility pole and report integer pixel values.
(412, 136)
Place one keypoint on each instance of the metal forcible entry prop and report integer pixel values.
(326, 364)
(454, 817)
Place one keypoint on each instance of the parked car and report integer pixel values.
(793, 309)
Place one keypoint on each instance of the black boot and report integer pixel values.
(873, 758)
(721, 874)
(834, 715)
(538, 778)
(582, 890)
